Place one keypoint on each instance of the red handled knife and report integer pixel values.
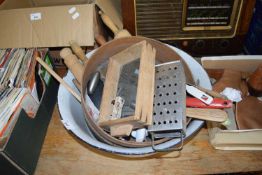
(217, 103)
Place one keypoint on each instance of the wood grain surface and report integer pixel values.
(63, 153)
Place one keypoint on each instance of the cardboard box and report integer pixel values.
(26, 24)
(233, 139)
(52, 23)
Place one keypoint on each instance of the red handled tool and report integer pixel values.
(217, 103)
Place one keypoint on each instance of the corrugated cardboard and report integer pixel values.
(13, 4)
(111, 8)
(233, 139)
(56, 27)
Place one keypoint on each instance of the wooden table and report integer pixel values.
(63, 153)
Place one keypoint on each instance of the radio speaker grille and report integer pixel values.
(162, 19)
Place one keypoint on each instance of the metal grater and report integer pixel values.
(169, 116)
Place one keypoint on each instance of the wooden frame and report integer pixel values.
(145, 90)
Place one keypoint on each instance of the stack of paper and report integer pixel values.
(17, 78)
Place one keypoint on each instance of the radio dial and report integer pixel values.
(224, 44)
(200, 44)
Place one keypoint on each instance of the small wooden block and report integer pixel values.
(121, 130)
(216, 115)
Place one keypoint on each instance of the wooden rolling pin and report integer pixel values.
(73, 64)
(118, 33)
(78, 51)
(81, 55)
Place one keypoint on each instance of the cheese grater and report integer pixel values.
(169, 117)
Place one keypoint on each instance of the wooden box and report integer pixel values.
(233, 139)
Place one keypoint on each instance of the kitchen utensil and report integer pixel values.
(217, 103)
(169, 117)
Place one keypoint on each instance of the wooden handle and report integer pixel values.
(78, 51)
(72, 63)
(211, 92)
(109, 23)
(58, 78)
(215, 115)
(77, 84)
(118, 33)
(122, 33)
(100, 39)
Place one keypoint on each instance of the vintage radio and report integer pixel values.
(201, 27)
